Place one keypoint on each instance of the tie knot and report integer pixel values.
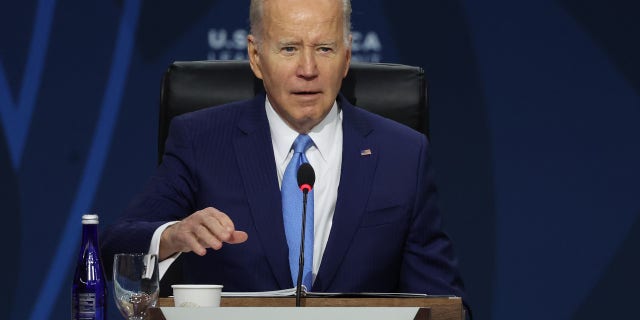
(302, 143)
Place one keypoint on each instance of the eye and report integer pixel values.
(325, 49)
(288, 49)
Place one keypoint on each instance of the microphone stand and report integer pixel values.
(301, 260)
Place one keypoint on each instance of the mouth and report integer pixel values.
(306, 93)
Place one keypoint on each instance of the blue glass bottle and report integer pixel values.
(89, 290)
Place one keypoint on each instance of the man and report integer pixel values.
(216, 200)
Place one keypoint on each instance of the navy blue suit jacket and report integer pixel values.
(386, 234)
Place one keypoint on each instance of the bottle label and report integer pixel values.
(86, 306)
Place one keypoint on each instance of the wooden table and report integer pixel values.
(439, 308)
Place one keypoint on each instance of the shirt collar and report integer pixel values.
(282, 136)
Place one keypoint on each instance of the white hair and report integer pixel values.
(256, 12)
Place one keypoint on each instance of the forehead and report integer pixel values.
(303, 18)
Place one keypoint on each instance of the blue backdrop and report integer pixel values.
(534, 111)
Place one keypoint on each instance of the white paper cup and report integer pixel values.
(196, 295)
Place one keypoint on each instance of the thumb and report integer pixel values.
(238, 237)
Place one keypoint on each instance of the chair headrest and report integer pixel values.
(395, 91)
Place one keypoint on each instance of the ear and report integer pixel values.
(254, 56)
(348, 53)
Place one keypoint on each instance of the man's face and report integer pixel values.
(301, 58)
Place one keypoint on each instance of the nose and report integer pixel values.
(307, 66)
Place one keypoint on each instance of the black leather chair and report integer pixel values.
(395, 91)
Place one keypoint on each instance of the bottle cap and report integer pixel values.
(90, 219)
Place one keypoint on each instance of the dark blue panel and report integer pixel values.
(534, 111)
(11, 216)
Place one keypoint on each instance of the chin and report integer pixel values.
(307, 122)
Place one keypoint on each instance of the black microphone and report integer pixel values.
(306, 179)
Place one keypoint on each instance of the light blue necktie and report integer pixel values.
(292, 213)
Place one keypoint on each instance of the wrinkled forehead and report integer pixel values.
(303, 19)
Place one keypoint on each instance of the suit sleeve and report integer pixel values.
(168, 196)
(428, 264)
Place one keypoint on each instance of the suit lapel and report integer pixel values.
(358, 168)
(255, 158)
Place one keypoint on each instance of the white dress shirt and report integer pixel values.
(325, 156)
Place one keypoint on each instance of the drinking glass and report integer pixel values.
(135, 282)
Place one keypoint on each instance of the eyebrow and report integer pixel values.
(288, 43)
(296, 42)
(326, 44)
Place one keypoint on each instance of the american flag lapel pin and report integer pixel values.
(365, 152)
